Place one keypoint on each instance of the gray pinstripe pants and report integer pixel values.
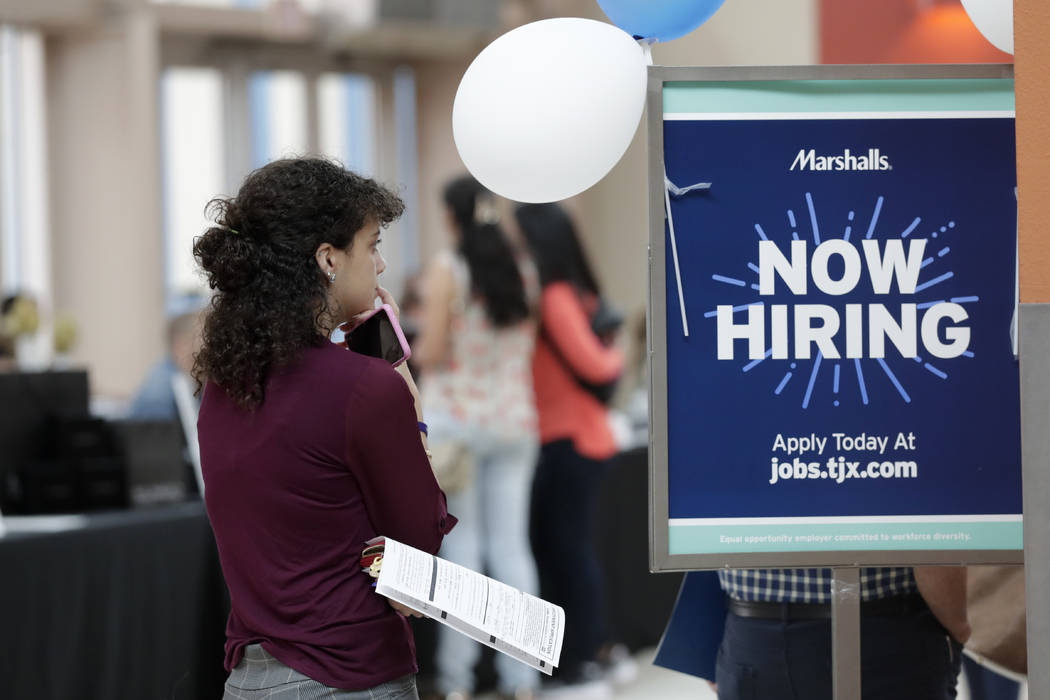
(259, 676)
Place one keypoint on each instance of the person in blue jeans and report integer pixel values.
(474, 349)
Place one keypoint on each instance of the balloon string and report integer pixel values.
(1017, 289)
(669, 189)
(679, 191)
(674, 253)
(647, 49)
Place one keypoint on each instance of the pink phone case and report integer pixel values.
(405, 349)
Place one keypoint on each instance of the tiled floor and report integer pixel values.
(654, 683)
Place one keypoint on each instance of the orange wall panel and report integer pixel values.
(939, 31)
(902, 31)
(1032, 51)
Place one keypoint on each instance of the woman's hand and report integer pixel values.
(386, 297)
(944, 590)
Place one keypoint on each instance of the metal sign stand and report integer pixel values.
(1035, 458)
(845, 633)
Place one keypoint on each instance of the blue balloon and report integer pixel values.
(660, 20)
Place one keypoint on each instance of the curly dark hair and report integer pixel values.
(271, 295)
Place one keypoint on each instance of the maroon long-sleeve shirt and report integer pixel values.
(294, 488)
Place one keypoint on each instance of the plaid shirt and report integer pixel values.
(811, 585)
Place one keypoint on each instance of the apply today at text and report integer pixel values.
(838, 468)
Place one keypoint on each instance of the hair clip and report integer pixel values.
(485, 211)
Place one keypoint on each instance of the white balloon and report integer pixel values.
(547, 109)
(994, 19)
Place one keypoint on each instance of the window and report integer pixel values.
(346, 111)
(192, 144)
(24, 228)
(25, 264)
(218, 123)
(278, 114)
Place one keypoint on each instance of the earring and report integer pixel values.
(331, 277)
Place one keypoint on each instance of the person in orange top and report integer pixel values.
(575, 438)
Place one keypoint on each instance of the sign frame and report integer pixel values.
(660, 558)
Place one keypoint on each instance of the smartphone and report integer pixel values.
(380, 335)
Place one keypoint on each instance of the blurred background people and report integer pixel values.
(7, 354)
(19, 319)
(34, 338)
(7, 346)
(474, 350)
(636, 400)
(572, 363)
(155, 398)
(411, 316)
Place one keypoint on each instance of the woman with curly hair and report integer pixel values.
(308, 450)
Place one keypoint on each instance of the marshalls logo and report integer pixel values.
(809, 160)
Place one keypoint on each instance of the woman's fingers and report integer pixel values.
(387, 298)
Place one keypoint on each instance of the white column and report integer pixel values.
(105, 195)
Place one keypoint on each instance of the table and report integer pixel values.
(112, 605)
(132, 604)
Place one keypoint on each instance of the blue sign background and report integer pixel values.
(958, 177)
